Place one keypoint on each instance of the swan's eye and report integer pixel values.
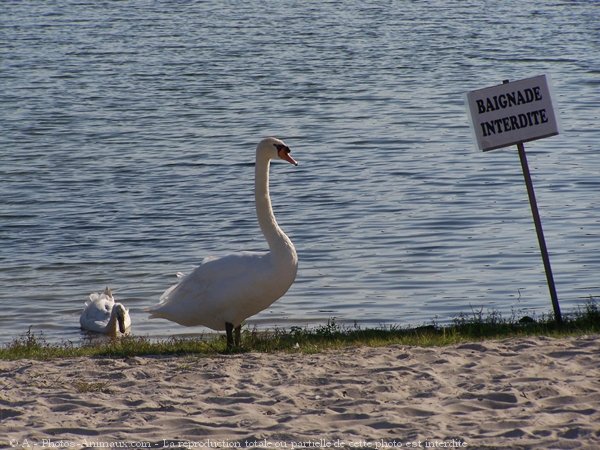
(281, 147)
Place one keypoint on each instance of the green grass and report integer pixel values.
(466, 327)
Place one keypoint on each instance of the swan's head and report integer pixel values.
(121, 313)
(274, 148)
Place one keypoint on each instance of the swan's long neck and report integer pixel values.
(279, 243)
(112, 326)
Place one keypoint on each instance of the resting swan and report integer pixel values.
(222, 292)
(102, 315)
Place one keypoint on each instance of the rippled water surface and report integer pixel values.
(127, 141)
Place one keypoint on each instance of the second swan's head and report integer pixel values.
(122, 316)
(274, 148)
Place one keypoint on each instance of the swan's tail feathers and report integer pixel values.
(158, 311)
(95, 296)
(155, 311)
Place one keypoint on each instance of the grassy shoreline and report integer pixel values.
(465, 328)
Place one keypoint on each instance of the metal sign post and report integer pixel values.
(514, 113)
(540, 232)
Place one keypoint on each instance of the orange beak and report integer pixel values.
(287, 157)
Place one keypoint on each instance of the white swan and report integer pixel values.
(222, 292)
(102, 315)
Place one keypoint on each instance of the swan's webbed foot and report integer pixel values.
(234, 336)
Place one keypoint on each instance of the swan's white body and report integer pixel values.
(223, 292)
(102, 315)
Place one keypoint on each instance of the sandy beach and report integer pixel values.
(513, 393)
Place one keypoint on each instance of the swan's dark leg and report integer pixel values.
(229, 331)
(238, 335)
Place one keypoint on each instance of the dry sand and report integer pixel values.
(514, 393)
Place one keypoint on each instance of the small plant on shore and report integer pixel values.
(31, 345)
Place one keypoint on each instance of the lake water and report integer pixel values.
(128, 138)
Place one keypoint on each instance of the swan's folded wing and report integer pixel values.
(228, 269)
(213, 276)
(95, 315)
(217, 273)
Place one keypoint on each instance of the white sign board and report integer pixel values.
(510, 113)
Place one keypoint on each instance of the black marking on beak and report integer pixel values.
(283, 151)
